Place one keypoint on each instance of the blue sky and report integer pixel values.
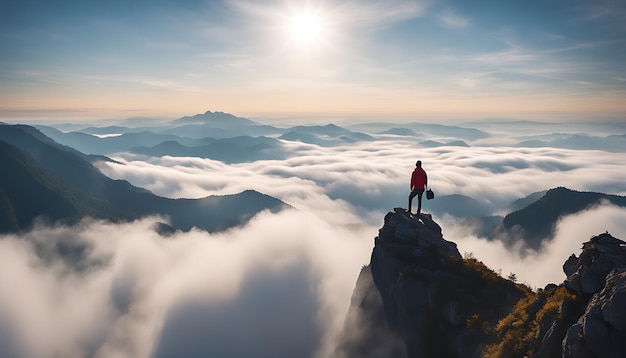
(553, 59)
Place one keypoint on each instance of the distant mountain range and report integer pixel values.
(42, 178)
(328, 135)
(143, 132)
(612, 143)
(214, 135)
(228, 150)
(438, 130)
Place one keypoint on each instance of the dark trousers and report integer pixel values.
(418, 193)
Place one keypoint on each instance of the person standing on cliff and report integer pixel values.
(419, 181)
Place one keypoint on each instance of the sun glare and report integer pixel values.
(307, 28)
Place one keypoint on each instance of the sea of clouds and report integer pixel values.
(279, 286)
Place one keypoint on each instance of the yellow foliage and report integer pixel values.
(485, 272)
(513, 331)
(553, 302)
(517, 332)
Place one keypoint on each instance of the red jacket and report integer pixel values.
(419, 179)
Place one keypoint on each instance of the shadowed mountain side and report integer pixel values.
(612, 143)
(520, 204)
(536, 222)
(45, 178)
(229, 150)
(328, 135)
(22, 183)
(216, 212)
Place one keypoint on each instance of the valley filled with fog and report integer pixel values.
(242, 291)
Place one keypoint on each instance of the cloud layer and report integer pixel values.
(374, 177)
(101, 289)
(358, 184)
(128, 292)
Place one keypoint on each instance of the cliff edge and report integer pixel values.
(419, 298)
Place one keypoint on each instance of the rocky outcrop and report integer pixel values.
(601, 271)
(434, 301)
(419, 298)
(586, 274)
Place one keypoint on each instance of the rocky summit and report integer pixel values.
(419, 297)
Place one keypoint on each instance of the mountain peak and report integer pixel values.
(222, 119)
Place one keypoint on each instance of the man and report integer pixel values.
(419, 181)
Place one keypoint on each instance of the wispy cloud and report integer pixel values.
(451, 19)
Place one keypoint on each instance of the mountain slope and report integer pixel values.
(536, 222)
(23, 183)
(45, 178)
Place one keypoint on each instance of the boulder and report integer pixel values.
(601, 330)
(586, 274)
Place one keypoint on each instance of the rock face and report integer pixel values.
(419, 298)
(434, 301)
(586, 274)
(601, 271)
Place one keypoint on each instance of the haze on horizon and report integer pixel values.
(561, 60)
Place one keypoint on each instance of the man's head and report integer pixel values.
(418, 164)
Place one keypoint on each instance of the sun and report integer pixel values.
(307, 28)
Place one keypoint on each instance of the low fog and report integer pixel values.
(281, 285)
(278, 287)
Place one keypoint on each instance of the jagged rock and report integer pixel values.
(429, 292)
(571, 265)
(601, 329)
(601, 254)
(573, 346)
(419, 298)
(614, 305)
